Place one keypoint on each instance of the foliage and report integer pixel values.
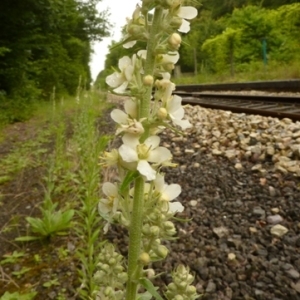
(12, 258)
(44, 44)
(18, 296)
(233, 43)
(52, 222)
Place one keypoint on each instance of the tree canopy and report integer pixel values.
(46, 45)
(228, 36)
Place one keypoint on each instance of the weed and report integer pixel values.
(18, 296)
(21, 272)
(12, 258)
(51, 283)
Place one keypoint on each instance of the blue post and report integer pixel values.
(264, 48)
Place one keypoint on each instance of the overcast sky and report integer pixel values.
(119, 11)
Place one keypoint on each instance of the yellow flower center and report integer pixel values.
(143, 151)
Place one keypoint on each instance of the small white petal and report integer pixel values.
(128, 154)
(152, 141)
(184, 124)
(124, 62)
(185, 26)
(172, 191)
(129, 44)
(187, 12)
(130, 140)
(142, 54)
(128, 72)
(173, 57)
(103, 207)
(119, 116)
(166, 75)
(109, 189)
(177, 114)
(122, 88)
(174, 104)
(159, 182)
(145, 169)
(114, 80)
(131, 108)
(106, 227)
(159, 155)
(175, 207)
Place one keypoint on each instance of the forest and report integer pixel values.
(46, 45)
(45, 49)
(234, 37)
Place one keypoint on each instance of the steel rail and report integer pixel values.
(274, 106)
(292, 85)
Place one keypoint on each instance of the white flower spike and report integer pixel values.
(168, 193)
(186, 12)
(120, 81)
(142, 154)
(108, 206)
(176, 112)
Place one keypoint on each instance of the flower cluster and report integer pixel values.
(141, 200)
(110, 276)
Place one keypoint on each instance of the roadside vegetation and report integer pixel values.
(51, 231)
(235, 41)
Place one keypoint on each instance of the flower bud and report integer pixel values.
(135, 30)
(112, 261)
(148, 80)
(178, 297)
(162, 113)
(146, 229)
(191, 290)
(99, 275)
(109, 291)
(174, 41)
(123, 277)
(172, 287)
(150, 273)
(176, 22)
(169, 67)
(118, 268)
(162, 251)
(136, 13)
(104, 267)
(135, 128)
(154, 230)
(144, 258)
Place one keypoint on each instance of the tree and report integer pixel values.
(46, 44)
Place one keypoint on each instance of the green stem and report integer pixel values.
(136, 224)
(135, 238)
(150, 61)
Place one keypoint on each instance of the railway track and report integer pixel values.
(274, 106)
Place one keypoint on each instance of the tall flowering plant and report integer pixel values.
(141, 200)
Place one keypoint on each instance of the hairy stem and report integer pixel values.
(136, 224)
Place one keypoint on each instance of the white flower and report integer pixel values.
(168, 193)
(108, 206)
(120, 81)
(170, 58)
(176, 112)
(142, 154)
(186, 12)
(126, 120)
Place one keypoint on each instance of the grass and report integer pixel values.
(65, 150)
(253, 72)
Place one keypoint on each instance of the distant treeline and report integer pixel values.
(45, 47)
(231, 36)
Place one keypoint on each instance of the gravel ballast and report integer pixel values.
(242, 195)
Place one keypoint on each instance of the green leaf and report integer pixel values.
(130, 176)
(148, 285)
(27, 238)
